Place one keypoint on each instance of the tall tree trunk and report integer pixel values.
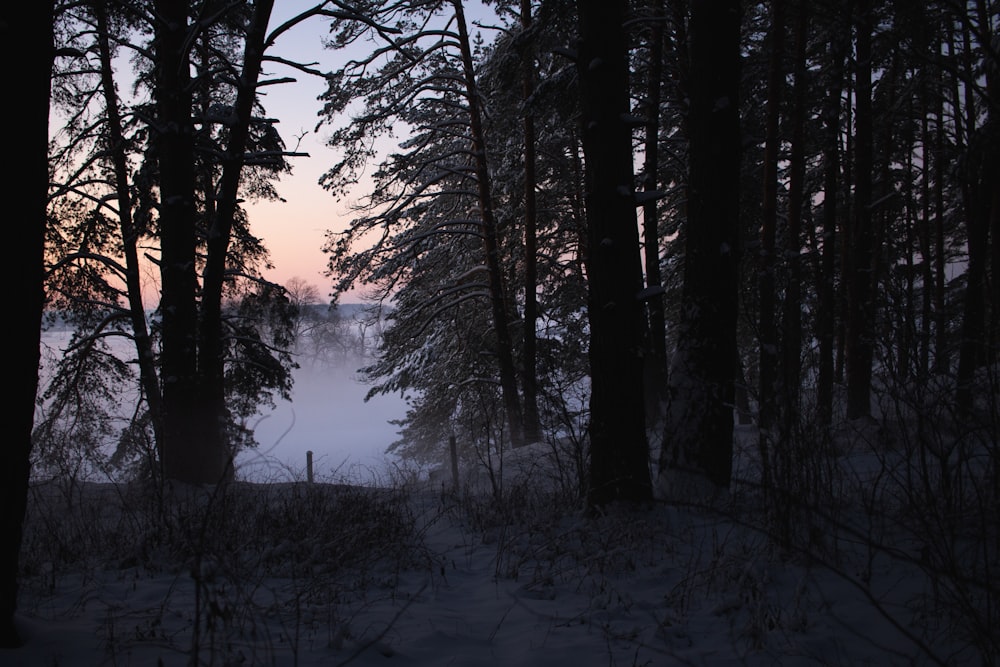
(792, 306)
(619, 464)
(130, 235)
(860, 329)
(656, 359)
(826, 319)
(993, 331)
(211, 344)
(847, 224)
(185, 457)
(982, 173)
(498, 299)
(23, 23)
(699, 435)
(880, 217)
(768, 389)
(924, 231)
(909, 342)
(971, 346)
(942, 361)
(983, 215)
(532, 426)
(991, 65)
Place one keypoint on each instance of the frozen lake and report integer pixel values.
(327, 416)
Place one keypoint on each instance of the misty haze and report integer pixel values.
(328, 416)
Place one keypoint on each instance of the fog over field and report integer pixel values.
(328, 416)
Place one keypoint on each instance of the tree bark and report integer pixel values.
(982, 216)
(860, 329)
(148, 378)
(972, 345)
(28, 185)
(211, 344)
(656, 359)
(699, 436)
(942, 361)
(185, 455)
(826, 317)
(532, 426)
(619, 465)
(768, 388)
(927, 314)
(792, 306)
(498, 299)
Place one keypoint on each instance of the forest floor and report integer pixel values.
(334, 574)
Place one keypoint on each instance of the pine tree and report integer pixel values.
(618, 447)
(28, 184)
(698, 444)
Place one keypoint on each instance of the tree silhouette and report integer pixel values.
(28, 185)
(619, 468)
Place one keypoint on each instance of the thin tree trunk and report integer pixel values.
(656, 363)
(792, 311)
(880, 218)
(993, 334)
(130, 236)
(909, 347)
(860, 329)
(846, 228)
(942, 360)
(831, 183)
(971, 346)
(498, 300)
(980, 191)
(924, 234)
(532, 427)
(768, 390)
(987, 10)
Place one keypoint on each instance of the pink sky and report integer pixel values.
(295, 230)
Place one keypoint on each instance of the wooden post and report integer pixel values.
(309, 466)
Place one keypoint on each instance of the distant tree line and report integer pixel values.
(818, 189)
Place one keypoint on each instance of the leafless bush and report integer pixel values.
(238, 557)
(912, 490)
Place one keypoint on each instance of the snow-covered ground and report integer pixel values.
(418, 575)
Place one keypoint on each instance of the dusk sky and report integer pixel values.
(295, 230)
